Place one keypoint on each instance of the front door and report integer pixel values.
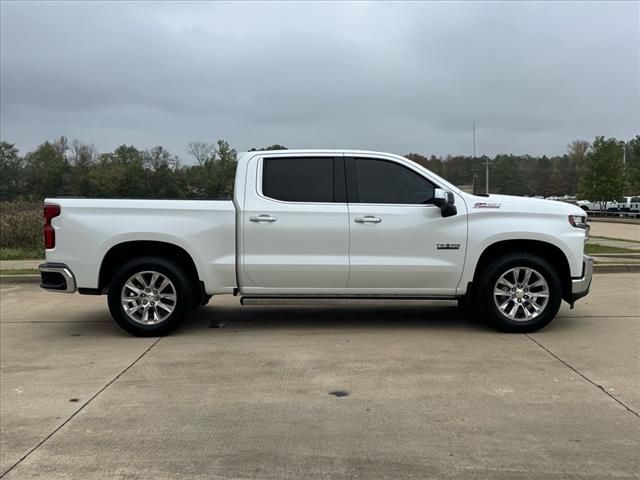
(400, 243)
(295, 226)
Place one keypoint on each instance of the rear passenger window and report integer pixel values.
(298, 179)
(381, 181)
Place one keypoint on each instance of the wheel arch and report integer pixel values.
(549, 252)
(118, 254)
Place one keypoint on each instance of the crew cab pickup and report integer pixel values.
(321, 225)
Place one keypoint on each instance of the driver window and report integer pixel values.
(381, 181)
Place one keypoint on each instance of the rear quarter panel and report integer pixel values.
(87, 229)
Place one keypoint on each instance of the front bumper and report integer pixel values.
(57, 277)
(580, 286)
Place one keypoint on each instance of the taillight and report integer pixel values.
(50, 211)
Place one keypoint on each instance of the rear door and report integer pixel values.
(400, 243)
(295, 226)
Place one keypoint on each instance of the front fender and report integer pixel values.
(489, 229)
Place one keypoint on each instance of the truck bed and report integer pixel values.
(88, 228)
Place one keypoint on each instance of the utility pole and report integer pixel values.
(474, 140)
(624, 166)
(486, 164)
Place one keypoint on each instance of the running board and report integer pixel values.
(346, 300)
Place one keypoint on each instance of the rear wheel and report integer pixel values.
(150, 296)
(520, 293)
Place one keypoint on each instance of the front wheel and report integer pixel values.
(150, 296)
(520, 293)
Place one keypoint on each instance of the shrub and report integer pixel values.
(21, 230)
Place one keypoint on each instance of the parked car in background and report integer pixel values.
(625, 204)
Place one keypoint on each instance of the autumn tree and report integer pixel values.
(577, 152)
(202, 152)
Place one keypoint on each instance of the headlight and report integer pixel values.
(580, 221)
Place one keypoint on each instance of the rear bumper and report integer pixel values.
(580, 286)
(57, 277)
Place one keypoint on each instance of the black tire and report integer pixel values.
(183, 295)
(495, 270)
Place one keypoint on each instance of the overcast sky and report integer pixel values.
(398, 77)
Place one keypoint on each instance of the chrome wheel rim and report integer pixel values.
(148, 297)
(521, 294)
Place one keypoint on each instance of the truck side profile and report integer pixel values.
(321, 224)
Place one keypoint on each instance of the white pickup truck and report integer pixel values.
(321, 225)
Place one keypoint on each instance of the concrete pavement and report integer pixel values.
(429, 394)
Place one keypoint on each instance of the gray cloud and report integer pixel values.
(398, 77)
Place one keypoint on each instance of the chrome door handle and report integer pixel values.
(367, 219)
(263, 218)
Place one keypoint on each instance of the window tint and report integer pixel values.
(298, 179)
(380, 181)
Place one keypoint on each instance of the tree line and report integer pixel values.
(601, 170)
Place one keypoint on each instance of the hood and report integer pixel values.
(523, 204)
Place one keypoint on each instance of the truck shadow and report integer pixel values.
(417, 315)
(228, 318)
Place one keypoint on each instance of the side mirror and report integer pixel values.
(445, 200)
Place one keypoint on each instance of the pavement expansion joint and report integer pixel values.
(95, 395)
(571, 367)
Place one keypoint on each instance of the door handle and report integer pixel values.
(367, 219)
(263, 218)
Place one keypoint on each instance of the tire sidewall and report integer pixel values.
(173, 272)
(502, 265)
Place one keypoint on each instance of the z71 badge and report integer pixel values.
(448, 246)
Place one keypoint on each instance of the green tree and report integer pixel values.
(226, 169)
(119, 174)
(162, 174)
(632, 167)
(275, 146)
(11, 172)
(47, 172)
(214, 176)
(505, 176)
(604, 177)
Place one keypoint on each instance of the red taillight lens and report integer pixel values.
(50, 211)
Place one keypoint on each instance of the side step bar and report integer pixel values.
(317, 300)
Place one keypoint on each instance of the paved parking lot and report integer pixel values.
(427, 393)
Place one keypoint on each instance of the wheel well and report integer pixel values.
(126, 251)
(549, 252)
